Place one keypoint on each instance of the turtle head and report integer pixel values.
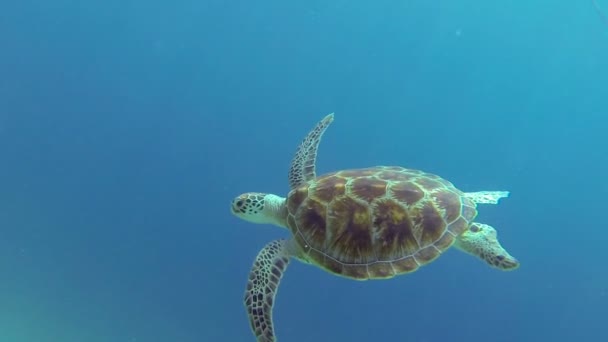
(261, 208)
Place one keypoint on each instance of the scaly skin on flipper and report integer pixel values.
(302, 167)
(264, 278)
(480, 240)
(486, 197)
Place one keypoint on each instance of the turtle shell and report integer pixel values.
(376, 222)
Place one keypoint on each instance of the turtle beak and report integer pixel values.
(235, 205)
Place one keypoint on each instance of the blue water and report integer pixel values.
(126, 128)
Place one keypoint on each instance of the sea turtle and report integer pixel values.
(370, 223)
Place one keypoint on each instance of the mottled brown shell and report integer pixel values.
(377, 222)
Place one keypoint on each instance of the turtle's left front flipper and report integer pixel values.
(481, 240)
(264, 278)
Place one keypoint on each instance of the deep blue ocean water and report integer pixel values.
(127, 127)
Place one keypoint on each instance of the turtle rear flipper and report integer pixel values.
(480, 240)
(264, 278)
(486, 197)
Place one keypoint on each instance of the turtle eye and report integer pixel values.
(239, 203)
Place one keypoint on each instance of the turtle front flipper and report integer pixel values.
(486, 197)
(480, 240)
(264, 278)
(302, 167)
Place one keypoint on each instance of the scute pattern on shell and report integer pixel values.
(377, 222)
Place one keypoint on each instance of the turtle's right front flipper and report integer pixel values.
(303, 167)
(264, 279)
